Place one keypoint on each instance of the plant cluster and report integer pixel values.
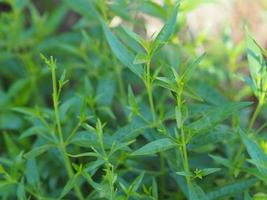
(90, 111)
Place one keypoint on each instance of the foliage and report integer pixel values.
(93, 111)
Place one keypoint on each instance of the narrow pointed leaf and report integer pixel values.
(216, 116)
(231, 190)
(125, 56)
(167, 30)
(256, 153)
(156, 146)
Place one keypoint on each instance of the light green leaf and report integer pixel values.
(36, 130)
(138, 39)
(141, 58)
(156, 146)
(36, 151)
(183, 173)
(256, 61)
(154, 188)
(98, 187)
(11, 146)
(196, 192)
(216, 115)
(256, 153)
(218, 134)
(231, 190)
(207, 171)
(84, 8)
(125, 56)
(2, 170)
(132, 101)
(70, 184)
(131, 130)
(21, 191)
(136, 183)
(31, 172)
(221, 160)
(166, 32)
(191, 69)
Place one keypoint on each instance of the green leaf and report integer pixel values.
(132, 101)
(2, 170)
(166, 32)
(136, 38)
(221, 160)
(105, 90)
(216, 115)
(36, 130)
(156, 146)
(70, 184)
(27, 111)
(231, 190)
(256, 61)
(98, 187)
(136, 183)
(53, 23)
(94, 165)
(125, 56)
(196, 193)
(188, 91)
(183, 173)
(154, 9)
(141, 58)
(247, 196)
(130, 131)
(31, 172)
(154, 189)
(11, 146)
(256, 153)
(10, 121)
(218, 134)
(207, 171)
(21, 195)
(191, 69)
(84, 8)
(36, 151)
(166, 83)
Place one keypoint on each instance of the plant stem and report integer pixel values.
(183, 146)
(59, 129)
(148, 84)
(251, 123)
(261, 128)
(256, 112)
(55, 102)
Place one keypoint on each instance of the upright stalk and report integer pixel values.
(251, 123)
(183, 138)
(59, 130)
(256, 112)
(148, 84)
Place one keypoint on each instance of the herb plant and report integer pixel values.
(92, 111)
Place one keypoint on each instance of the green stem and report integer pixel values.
(256, 112)
(59, 129)
(120, 82)
(162, 177)
(251, 123)
(185, 157)
(183, 140)
(55, 102)
(148, 84)
(261, 128)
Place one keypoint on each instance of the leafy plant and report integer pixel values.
(93, 110)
